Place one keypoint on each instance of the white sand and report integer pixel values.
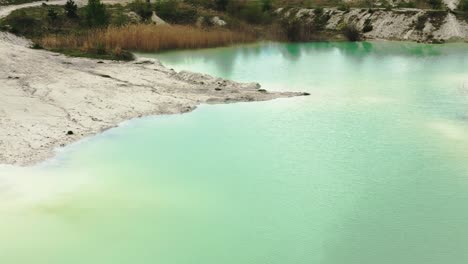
(44, 95)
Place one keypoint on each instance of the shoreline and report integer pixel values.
(49, 100)
(73, 98)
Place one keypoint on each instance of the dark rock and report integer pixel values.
(218, 89)
(262, 90)
(305, 94)
(69, 133)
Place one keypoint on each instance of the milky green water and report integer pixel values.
(372, 168)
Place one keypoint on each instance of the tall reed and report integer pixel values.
(147, 38)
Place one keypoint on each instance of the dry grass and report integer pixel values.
(147, 38)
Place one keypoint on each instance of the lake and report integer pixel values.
(371, 168)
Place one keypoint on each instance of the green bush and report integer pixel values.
(421, 22)
(293, 29)
(463, 5)
(344, 7)
(172, 11)
(52, 15)
(435, 4)
(250, 11)
(71, 9)
(96, 14)
(22, 24)
(351, 32)
(367, 26)
(320, 20)
(119, 17)
(142, 8)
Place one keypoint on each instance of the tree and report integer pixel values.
(96, 14)
(71, 9)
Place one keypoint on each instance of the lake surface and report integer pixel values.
(372, 168)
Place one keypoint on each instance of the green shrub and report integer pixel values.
(22, 24)
(367, 26)
(119, 18)
(172, 11)
(318, 11)
(351, 32)
(293, 29)
(421, 22)
(320, 21)
(96, 14)
(71, 9)
(435, 4)
(142, 8)
(463, 5)
(250, 11)
(344, 7)
(52, 15)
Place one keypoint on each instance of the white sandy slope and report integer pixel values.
(44, 95)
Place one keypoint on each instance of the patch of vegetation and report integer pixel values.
(123, 56)
(421, 22)
(352, 33)
(293, 29)
(320, 20)
(367, 26)
(437, 17)
(435, 4)
(463, 6)
(174, 11)
(143, 8)
(96, 14)
(71, 9)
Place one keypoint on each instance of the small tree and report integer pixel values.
(96, 14)
(71, 9)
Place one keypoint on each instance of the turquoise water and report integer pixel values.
(372, 168)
